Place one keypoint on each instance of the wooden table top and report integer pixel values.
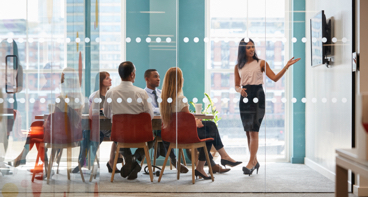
(156, 117)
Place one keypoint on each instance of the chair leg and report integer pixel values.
(80, 170)
(193, 165)
(196, 155)
(115, 161)
(98, 161)
(36, 164)
(93, 169)
(182, 155)
(178, 165)
(58, 160)
(98, 167)
(79, 165)
(50, 164)
(46, 161)
(148, 160)
(208, 161)
(155, 154)
(88, 159)
(163, 167)
(170, 164)
(69, 152)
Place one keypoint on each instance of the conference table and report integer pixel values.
(105, 123)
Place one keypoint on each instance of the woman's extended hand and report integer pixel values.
(243, 92)
(199, 123)
(292, 61)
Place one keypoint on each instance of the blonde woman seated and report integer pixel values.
(173, 88)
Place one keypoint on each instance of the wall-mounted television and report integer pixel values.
(320, 33)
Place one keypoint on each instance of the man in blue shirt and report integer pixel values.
(152, 82)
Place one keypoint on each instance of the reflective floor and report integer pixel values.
(280, 177)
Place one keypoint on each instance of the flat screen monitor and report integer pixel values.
(320, 39)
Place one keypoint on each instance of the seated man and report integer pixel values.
(124, 91)
(152, 82)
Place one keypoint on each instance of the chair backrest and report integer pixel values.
(131, 128)
(94, 125)
(36, 129)
(182, 129)
(58, 129)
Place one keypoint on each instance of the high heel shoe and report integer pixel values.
(229, 163)
(197, 173)
(257, 167)
(110, 168)
(248, 171)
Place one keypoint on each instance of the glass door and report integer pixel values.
(49, 58)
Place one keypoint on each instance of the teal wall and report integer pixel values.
(298, 135)
(185, 18)
(137, 25)
(160, 56)
(191, 54)
(181, 18)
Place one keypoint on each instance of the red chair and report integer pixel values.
(182, 133)
(157, 140)
(132, 131)
(59, 134)
(36, 138)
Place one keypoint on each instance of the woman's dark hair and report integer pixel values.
(103, 76)
(242, 57)
(125, 69)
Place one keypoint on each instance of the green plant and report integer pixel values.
(214, 112)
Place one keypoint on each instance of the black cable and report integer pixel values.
(157, 172)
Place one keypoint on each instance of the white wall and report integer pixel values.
(328, 125)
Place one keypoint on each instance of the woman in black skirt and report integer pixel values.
(248, 74)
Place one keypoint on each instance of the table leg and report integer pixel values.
(341, 182)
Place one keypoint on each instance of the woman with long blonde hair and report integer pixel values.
(173, 88)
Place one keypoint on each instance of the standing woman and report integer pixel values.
(248, 75)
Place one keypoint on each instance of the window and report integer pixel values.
(227, 27)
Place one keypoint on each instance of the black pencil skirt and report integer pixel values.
(252, 110)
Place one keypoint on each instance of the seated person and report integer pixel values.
(126, 90)
(70, 90)
(173, 88)
(152, 82)
(94, 110)
(69, 104)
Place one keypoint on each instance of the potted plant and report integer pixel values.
(211, 105)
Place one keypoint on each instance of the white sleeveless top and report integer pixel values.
(251, 73)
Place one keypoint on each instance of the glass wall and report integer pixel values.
(50, 53)
(54, 98)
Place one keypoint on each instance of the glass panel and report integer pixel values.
(232, 21)
(47, 113)
(54, 96)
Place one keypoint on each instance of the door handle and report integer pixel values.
(11, 81)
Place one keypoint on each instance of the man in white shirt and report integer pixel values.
(152, 78)
(128, 99)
